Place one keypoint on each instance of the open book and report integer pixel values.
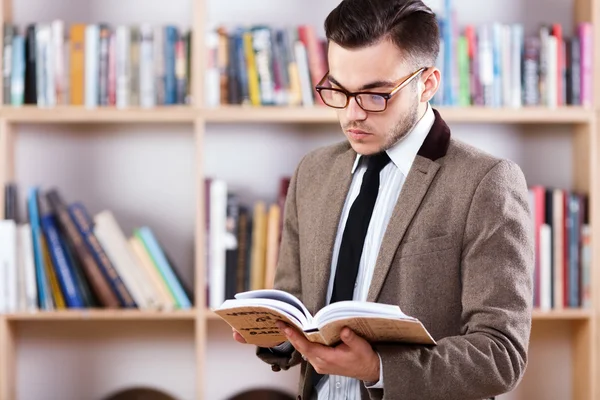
(254, 315)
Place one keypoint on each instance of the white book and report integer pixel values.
(8, 267)
(212, 77)
(115, 244)
(217, 232)
(253, 314)
(147, 79)
(486, 64)
(27, 268)
(545, 267)
(305, 82)
(92, 65)
(516, 73)
(123, 41)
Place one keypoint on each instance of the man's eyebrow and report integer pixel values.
(368, 86)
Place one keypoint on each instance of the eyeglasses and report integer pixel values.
(368, 101)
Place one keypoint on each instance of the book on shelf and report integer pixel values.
(262, 65)
(562, 237)
(53, 63)
(59, 257)
(242, 240)
(496, 65)
(254, 315)
(491, 65)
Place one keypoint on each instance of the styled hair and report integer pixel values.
(409, 24)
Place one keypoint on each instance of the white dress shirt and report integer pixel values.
(392, 177)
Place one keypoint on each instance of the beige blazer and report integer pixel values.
(458, 254)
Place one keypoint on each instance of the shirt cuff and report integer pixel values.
(379, 383)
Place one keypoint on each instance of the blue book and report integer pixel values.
(171, 35)
(164, 267)
(62, 263)
(45, 299)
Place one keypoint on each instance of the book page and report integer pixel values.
(347, 309)
(275, 294)
(374, 329)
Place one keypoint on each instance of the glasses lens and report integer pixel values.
(333, 98)
(371, 102)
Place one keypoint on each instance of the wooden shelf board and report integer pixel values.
(317, 114)
(76, 114)
(296, 115)
(553, 315)
(565, 314)
(103, 315)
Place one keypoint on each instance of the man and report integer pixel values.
(401, 213)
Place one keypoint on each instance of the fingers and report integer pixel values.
(237, 337)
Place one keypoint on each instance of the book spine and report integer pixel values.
(165, 269)
(82, 220)
(123, 77)
(73, 235)
(7, 61)
(147, 79)
(170, 79)
(64, 270)
(78, 63)
(17, 89)
(92, 67)
(36, 235)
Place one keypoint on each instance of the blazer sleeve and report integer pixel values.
(497, 262)
(287, 276)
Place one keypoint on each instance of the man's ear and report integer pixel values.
(429, 84)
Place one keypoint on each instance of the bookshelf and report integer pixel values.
(201, 121)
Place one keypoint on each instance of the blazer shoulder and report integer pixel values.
(469, 160)
(322, 158)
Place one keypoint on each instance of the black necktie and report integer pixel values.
(356, 228)
(353, 238)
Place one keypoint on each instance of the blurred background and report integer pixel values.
(144, 113)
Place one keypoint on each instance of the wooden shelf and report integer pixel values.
(293, 115)
(541, 115)
(76, 114)
(560, 315)
(538, 315)
(103, 315)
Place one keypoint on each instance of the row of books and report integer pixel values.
(262, 65)
(58, 257)
(495, 65)
(242, 241)
(563, 248)
(49, 64)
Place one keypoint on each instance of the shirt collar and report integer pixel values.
(404, 152)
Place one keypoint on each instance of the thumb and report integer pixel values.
(350, 338)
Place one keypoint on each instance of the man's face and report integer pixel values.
(377, 68)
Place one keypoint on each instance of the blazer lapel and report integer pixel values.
(332, 197)
(415, 187)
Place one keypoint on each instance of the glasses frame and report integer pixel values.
(386, 96)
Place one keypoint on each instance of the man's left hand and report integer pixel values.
(354, 357)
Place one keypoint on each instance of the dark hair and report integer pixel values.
(409, 24)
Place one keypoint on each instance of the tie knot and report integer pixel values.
(378, 161)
